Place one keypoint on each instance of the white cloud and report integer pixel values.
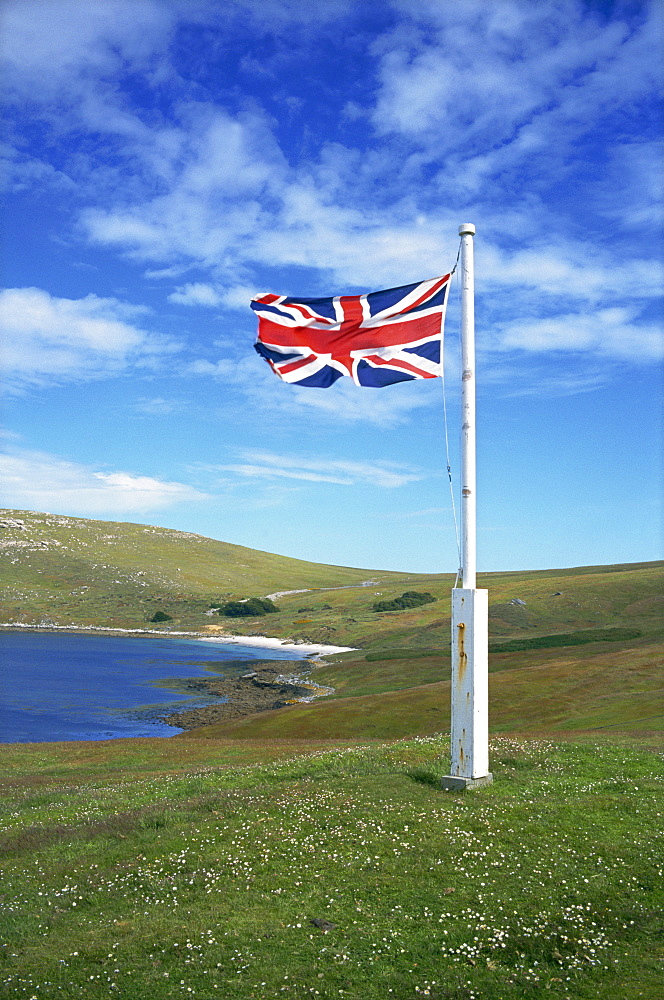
(266, 472)
(216, 178)
(529, 95)
(199, 293)
(239, 296)
(38, 481)
(571, 268)
(195, 293)
(262, 464)
(158, 406)
(632, 190)
(49, 339)
(534, 375)
(610, 332)
(57, 44)
(476, 71)
(343, 402)
(21, 172)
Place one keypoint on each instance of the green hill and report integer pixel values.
(71, 570)
(572, 649)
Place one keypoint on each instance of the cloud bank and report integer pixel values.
(38, 481)
(46, 339)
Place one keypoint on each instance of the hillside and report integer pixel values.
(570, 649)
(68, 570)
(71, 570)
(309, 851)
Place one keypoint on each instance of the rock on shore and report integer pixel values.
(262, 688)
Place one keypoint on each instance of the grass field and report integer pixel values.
(619, 690)
(190, 868)
(310, 851)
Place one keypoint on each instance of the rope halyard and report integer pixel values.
(447, 440)
(455, 265)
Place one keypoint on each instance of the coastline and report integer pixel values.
(263, 687)
(261, 641)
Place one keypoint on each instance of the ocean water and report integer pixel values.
(62, 686)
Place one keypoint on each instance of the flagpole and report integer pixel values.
(468, 433)
(469, 740)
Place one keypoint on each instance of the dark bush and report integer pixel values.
(268, 606)
(254, 607)
(161, 616)
(411, 599)
(566, 639)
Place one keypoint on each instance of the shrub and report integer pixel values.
(161, 616)
(566, 639)
(254, 607)
(269, 607)
(411, 599)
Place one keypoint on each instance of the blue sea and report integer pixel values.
(63, 686)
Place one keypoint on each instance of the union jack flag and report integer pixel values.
(376, 339)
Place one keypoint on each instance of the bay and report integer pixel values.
(62, 686)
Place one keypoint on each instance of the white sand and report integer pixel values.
(268, 643)
(265, 642)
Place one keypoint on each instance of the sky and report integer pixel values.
(166, 160)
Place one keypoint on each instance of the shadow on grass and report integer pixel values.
(424, 777)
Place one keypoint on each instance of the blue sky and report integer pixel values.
(167, 159)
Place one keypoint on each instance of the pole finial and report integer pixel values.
(467, 229)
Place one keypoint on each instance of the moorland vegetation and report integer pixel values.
(310, 851)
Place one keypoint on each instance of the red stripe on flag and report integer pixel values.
(294, 365)
(347, 337)
(352, 307)
(398, 363)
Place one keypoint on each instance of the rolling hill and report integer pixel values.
(569, 648)
(71, 570)
(224, 855)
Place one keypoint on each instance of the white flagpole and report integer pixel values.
(469, 744)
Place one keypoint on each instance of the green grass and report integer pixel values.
(75, 570)
(203, 880)
(400, 654)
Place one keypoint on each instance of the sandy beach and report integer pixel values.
(268, 643)
(264, 642)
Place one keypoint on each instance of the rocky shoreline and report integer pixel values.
(263, 687)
